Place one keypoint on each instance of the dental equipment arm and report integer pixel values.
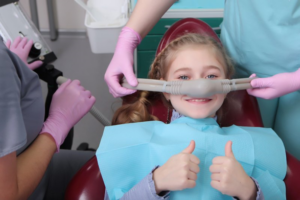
(94, 111)
(193, 88)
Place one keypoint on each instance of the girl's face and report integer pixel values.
(195, 62)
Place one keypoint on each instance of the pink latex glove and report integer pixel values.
(22, 47)
(275, 86)
(69, 104)
(122, 63)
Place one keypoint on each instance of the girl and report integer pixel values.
(252, 33)
(128, 152)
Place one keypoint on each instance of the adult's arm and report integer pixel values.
(19, 176)
(144, 17)
(146, 14)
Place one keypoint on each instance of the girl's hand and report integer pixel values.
(179, 172)
(229, 177)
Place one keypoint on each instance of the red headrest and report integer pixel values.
(181, 27)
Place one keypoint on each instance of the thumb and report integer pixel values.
(228, 150)
(260, 83)
(190, 148)
(63, 86)
(35, 64)
(130, 77)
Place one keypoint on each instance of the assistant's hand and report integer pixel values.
(179, 172)
(229, 177)
(122, 63)
(22, 47)
(69, 104)
(275, 86)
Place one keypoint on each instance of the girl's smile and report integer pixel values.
(195, 62)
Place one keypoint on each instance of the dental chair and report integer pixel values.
(243, 110)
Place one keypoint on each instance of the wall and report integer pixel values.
(70, 16)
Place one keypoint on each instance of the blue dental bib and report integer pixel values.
(128, 152)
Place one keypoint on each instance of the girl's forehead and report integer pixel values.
(199, 55)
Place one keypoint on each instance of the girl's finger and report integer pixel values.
(216, 177)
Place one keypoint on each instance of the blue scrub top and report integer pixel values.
(21, 103)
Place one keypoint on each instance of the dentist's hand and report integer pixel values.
(275, 86)
(69, 104)
(122, 63)
(179, 172)
(22, 47)
(229, 177)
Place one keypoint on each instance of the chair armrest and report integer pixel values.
(87, 183)
(292, 177)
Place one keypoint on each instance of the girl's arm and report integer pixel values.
(145, 189)
(178, 173)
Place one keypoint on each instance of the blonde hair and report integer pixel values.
(137, 107)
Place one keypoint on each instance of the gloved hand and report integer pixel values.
(122, 63)
(69, 104)
(22, 47)
(275, 86)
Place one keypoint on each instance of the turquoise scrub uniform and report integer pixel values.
(263, 37)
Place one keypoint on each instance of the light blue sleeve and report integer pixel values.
(259, 193)
(145, 189)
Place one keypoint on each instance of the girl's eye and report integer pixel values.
(184, 77)
(211, 76)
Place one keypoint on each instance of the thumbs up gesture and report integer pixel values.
(229, 177)
(179, 172)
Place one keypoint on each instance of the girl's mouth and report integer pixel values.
(198, 100)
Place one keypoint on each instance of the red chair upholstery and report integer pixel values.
(242, 110)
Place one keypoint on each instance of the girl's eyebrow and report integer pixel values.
(183, 69)
(205, 68)
(212, 66)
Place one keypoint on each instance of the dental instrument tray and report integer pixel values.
(14, 22)
(193, 88)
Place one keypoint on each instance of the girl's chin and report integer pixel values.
(197, 116)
